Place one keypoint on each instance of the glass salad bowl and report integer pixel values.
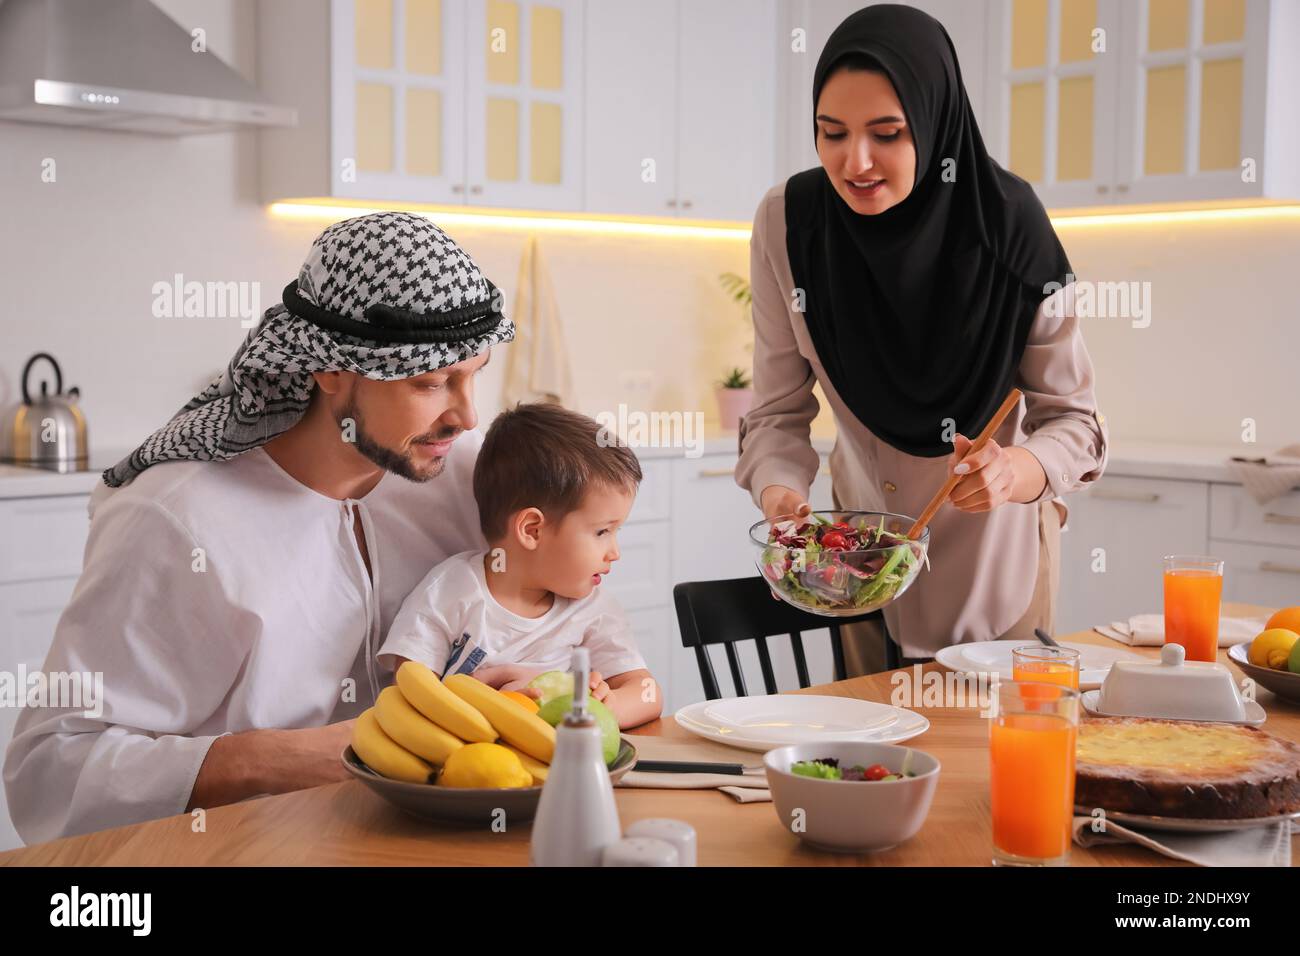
(839, 563)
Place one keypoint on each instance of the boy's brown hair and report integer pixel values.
(542, 455)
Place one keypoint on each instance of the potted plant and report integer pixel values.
(735, 398)
(734, 392)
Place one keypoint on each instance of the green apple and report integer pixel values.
(552, 684)
(553, 712)
(1293, 662)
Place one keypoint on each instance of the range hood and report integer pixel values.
(119, 65)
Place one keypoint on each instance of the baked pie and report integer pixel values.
(1180, 768)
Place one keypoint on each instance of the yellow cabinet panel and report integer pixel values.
(502, 42)
(1028, 34)
(546, 48)
(545, 141)
(374, 34)
(1074, 129)
(424, 37)
(374, 127)
(1026, 157)
(1078, 20)
(1225, 21)
(1166, 24)
(502, 140)
(1166, 120)
(423, 132)
(1220, 146)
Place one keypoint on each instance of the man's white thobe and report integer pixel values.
(219, 597)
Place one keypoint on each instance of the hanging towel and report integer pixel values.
(538, 364)
(1271, 477)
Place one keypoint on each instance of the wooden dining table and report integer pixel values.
(344, 824)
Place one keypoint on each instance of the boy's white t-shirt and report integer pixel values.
(452, 623)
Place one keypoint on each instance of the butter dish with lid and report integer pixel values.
(1172, 688)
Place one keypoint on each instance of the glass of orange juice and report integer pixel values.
(1052, 665)
(1031, 772)
(1193, 592)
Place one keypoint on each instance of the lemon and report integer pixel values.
(1271, 648)
(484, 765)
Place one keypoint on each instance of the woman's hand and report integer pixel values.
(993, 476)
(780, 500)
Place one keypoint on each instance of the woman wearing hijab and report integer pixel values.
(917, 281)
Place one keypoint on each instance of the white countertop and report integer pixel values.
(1130, 458)
(17, 481)
(1181, 462)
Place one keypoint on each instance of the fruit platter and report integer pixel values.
(839, 563)
(459, 751)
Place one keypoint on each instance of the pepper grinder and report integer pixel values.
(576, 816)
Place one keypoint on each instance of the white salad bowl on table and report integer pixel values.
(852, 816)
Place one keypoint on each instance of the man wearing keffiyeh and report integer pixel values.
(246, 560)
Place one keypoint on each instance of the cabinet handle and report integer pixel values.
(476, 189)
(1103, 188)
(1274, 518)
(457, 188)
(1278, 568)
(1122, 188)
(825, 471)
(672, 204)
(1147, 498)
(717, 472)
(686, 204)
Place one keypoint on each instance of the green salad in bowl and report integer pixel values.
(839, 563)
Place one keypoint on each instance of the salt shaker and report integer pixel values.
(576, 816)
(678, 833)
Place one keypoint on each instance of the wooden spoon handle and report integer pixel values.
(1008, 403)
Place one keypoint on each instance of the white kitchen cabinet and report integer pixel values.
(1137, 521)
(1259, 574)
(1052, 71)
(29, 612)
(630, 100)
(680, 123)
(473, 102)
(41, 544)
(1191, 100)
(1210, 88)
(1119, 531)
(523, 102)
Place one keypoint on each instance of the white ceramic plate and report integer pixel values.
(778, 720)
(1255, 714)
(994, 657)
(1180, 825)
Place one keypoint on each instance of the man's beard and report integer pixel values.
(386, 458)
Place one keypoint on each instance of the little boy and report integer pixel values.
(551, 498)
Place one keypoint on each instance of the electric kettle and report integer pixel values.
(48, 431)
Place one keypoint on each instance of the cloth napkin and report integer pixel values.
(1271, 477)
(1268, 845)
(750, 787)
(1148, 630)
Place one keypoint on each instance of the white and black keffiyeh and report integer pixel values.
(387, 296)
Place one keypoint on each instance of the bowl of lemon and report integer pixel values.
(1272, 658)
(459, 751)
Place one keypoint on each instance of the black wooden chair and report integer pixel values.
(743, 609)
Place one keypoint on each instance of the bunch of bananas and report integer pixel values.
(426, 730)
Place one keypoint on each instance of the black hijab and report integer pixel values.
(920, 313)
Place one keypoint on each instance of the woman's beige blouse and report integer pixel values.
(982, 566)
